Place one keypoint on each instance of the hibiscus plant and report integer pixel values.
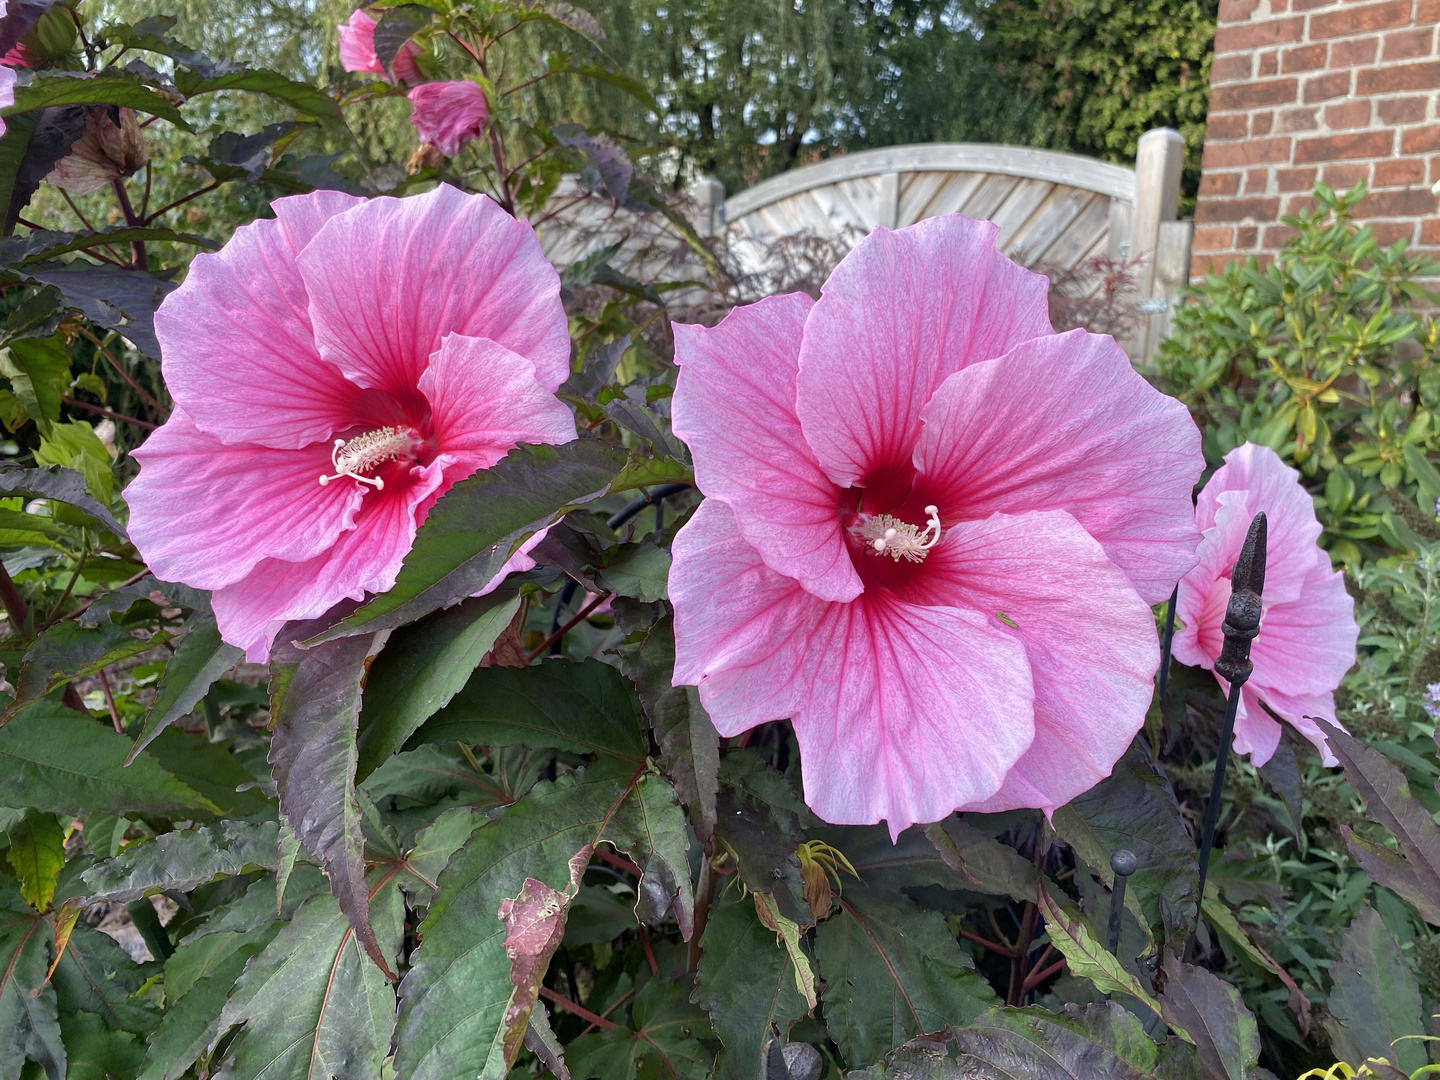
(424, 660)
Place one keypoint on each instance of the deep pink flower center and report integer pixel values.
(379, 450)
(893, 507)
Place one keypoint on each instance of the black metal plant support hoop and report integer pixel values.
(1242, 623)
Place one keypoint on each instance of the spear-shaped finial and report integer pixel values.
(1242, 623)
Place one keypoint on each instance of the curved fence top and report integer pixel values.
(1070, 170)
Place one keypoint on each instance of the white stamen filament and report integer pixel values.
(365, 452)
(887, 535)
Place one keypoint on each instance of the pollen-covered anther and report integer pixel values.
(365, 452)
(887, 535)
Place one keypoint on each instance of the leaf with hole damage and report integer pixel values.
(456, 996)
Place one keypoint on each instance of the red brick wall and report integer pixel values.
(1318, 89)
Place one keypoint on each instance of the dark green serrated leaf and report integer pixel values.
(1374, 1001)
(434, 846)
(109, 296)
(1097, 1042)
(95, 1052)
(302, 96)
(70, 651)
(662, 1043)
(562, 63)
(312, 1003)
(40, 245)
(314, 707)
(982, 863)
(192, 1023)
(758, 818)
(1413, 872)
(97, 976)
(1135, 808)
(29, 1014)
(53, 758)
(1076, 940)
(1282, 773)
(32, 144)
(689, 743)
(183, 859)
(63, 485)
(212, 770)
(113, 87)
(1210, 1011)
(471, 532)
(422, 668)
(747, 984)
(200, 659)
(586, 708)
(120, 600)
(36, 855)
(641, 571)
(39, 374)
(892, 971)
(194, 960)
(456, 1000)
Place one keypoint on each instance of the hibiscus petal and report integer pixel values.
(734, 406)
(892, 723)
(1065, 423)
(901, 312)
(206, 513)
(1089, 638)
(252, 611)
(390, 281)
(1298, 710)
(239, 353)
(1252, 479)
(485, 402)
(1256, 731)
(1306, 646)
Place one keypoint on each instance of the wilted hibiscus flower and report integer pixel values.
(1307, 633)
(447, 115)
(931, 532)
(334, 371)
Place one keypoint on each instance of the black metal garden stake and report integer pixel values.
(1242, 623)
(1166, 641)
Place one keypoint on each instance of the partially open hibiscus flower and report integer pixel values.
(1307, 633)
(335, 370)
(448, 115)
(931, 532)
(357, 50)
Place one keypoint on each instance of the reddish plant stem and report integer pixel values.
(120, 369)
(138, 258)
(1018, 967)
(649, 951)
(562, 1002)
(558, 634)
(626, 996)
(15, 605)
(619, 862)
(74, 404)
(110, 704)
(1003, 950)
(1036, 978)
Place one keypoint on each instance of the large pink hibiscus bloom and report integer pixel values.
(334, 371)
(931, 531)
(1307, 633)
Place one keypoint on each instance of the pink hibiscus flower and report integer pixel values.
(447, 115)
(1307, 633)
(7, 90)
(335, 370)
(357, 50)
(931, 531)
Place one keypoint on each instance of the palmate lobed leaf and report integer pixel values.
(662, 1042)
(113, 87)
(29, 1012)
(459, 1008)
(471, 532)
